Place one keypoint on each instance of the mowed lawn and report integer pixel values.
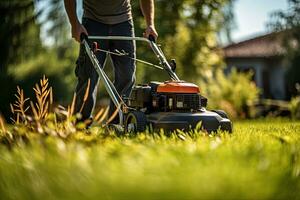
(260, 160)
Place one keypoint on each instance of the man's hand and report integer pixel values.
(77, 27)
(147, 7)
(150, 30)
(77, 30)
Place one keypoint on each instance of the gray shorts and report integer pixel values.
(124, 68)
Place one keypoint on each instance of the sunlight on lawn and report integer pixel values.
(259, 160)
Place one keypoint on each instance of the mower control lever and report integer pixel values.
(173, 65)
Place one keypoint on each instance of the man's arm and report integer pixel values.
(77, 28)
(147, 7)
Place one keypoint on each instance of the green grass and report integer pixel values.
(260, 160)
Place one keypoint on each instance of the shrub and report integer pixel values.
(232, 93)
(294, 107)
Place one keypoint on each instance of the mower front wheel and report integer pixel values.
(135, 121)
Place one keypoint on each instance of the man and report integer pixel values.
(106, 18)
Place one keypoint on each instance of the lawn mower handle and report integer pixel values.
(151, 40)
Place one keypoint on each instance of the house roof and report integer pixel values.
(264, 46)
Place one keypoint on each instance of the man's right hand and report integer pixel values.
(77, 30)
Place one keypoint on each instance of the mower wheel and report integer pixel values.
(222, 113)
(135, 121)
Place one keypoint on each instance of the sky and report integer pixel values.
(251, 16)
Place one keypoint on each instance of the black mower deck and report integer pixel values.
(210, 121)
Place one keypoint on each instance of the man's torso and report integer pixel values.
(107, 11)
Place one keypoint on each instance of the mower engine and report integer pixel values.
(170, 96)
(173, 105)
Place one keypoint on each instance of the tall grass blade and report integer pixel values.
(85, 95)
(2, 124)
(112, 117)
(73, 104)
(104, 115)
(99, 113)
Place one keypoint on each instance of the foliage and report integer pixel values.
(232, 93)
(18, 31)
(289, 22)
(260, 160)
(228, 23)
(187, 30)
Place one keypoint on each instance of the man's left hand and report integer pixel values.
(150, 30)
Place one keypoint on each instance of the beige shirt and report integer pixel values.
(107, 11)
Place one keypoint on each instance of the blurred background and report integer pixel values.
(244, 54)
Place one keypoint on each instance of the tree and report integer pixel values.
(228, 23)
(289, 23)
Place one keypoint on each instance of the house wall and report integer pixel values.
(269, 74)
(277, 79)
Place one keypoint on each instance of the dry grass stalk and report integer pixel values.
(104, 115)
(51, 98)
(112, 117)
(86, 95)
(44, 98)
(68, 112)
(41, 108)
(72, 108)
(2, 124)
(35, 113)
(99, 114)
(18, 108)
(18, 118)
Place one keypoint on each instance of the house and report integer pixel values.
(264, 56)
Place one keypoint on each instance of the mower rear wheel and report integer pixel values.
(135, 121)
(222, 113)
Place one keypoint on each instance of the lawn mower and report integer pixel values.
(169, 105)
